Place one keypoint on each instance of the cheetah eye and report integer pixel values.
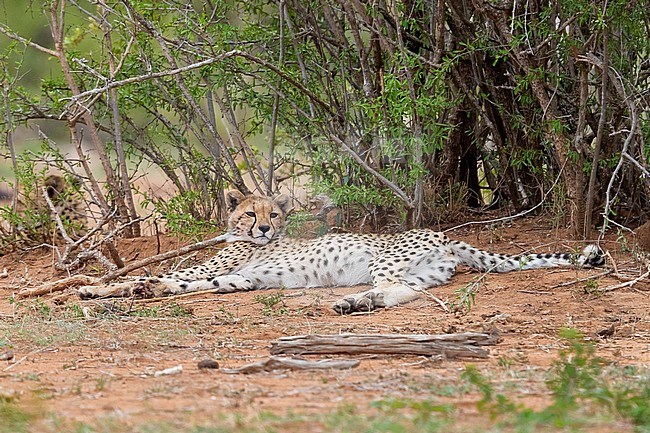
(251, 214)
(273, 215)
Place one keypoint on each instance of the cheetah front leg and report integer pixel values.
(158, 287)
(139, 288)
(221, 284)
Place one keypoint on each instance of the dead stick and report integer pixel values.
(627, 283)
(57, 286)
(281, 363)
(580, 280)
(160, 257)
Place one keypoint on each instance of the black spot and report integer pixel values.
(566, 256)
(330, 249)
(548, 256)
(183, 286)
(291, 269)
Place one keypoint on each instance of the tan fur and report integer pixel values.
(39, 226)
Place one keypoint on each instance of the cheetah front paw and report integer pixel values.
(365, 302)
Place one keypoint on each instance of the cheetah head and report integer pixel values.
(254, 218)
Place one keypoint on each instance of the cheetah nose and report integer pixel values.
(264, 229)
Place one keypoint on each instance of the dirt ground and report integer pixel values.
(102, 365)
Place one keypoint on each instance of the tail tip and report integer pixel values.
(593, 255)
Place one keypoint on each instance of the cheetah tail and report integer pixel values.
(467, 255)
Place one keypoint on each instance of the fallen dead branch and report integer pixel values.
(281, 363)
(160, 257)
(627, 283)
(463, 345)
(58, 286)
(85, 280)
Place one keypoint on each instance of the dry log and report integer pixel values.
(463, 345)
(164, 256)
(280, 363)
(57, 286)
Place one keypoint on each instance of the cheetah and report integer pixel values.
(399, 266)
(33, 222)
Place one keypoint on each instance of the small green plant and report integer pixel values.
(145, 312)
(176, 310)
(578, 384)
(42, 309)
(592, 287)
(466, 295)
(101, 383)
(75, 311)
(296, 223)
(13, 418)
(225, 317)
(273, 304)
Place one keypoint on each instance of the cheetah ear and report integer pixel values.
(233, 198)
(284, 202)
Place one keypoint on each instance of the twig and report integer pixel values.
(580, 280)
(281, 363)
(33, 352)
(396, 189)
(56, 216)
(517, 215)
(435, 298)
(535, 292)
(627, 283)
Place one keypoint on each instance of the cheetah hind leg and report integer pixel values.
(385, 294)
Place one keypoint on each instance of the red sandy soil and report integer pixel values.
(103, 365)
